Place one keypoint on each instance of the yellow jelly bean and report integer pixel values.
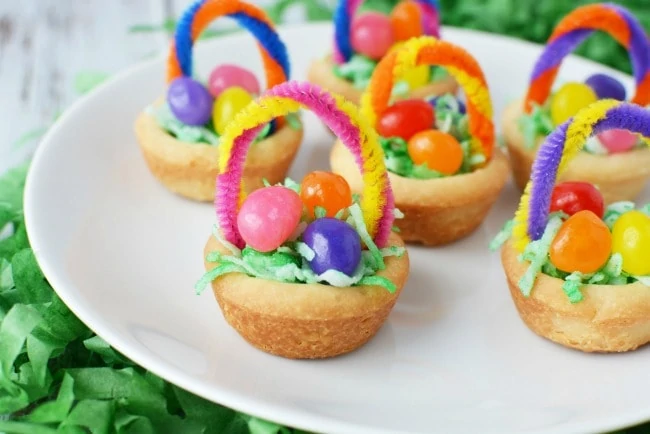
(631, 238)
(418, 76)
(569, 99)
(230, 102)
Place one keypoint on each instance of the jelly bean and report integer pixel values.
(569, 99)
(439, 151)
(405, 20)
(405, 118)
(230, 102)
(336, 245)
(606, 86)
(417, 77)
(189, 101)
(225, 76)
(582, 244)
(268, 217)
(572, 197)
(327, 190)
(435, 101)
(618, 140)
(372, 35)
(631, 238)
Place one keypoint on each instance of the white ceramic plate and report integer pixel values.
(454, 357)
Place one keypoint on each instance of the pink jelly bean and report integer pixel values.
(618, 140)
(225, 76)
(372, 35)
(268, 217)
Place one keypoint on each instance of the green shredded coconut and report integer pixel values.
(319, 212)
(615, 210)
(571, 287)
(503, 236)
(184, 133)
(537, 253)
(293, 120)
(536, 124)
(357, 70)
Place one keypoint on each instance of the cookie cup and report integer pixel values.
(321, 72)
(436, 211)
(619, 176)
(191, 169)
(610, 318)
(306, 321)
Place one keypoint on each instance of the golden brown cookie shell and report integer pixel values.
(619, 176)
(436, 211)
(306, 321)
(320, 72)
(610, 318)
(191, 169)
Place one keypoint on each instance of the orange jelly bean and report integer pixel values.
(327, 190)
(405, 20)
(439, 151)
(583, 243)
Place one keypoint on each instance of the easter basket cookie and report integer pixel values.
(616, 161)
(323, 280)
(579, 274)
(443, 166)
(179, 135)
(361, 40)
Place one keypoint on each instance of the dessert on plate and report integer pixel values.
(323, 280)
(444, 168)
(579, 272)
(179, 135)
(363, 37)
(616, 160)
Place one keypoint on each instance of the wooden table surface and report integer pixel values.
(45, 44)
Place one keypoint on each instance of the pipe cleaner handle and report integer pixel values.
(341, 116)
(201, 13)
(573, 30)
(426, 10)
(427, 50)
(559, 148)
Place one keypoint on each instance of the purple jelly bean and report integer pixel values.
(189, 101)
(461, 106)
(336, 244)
(606, 86)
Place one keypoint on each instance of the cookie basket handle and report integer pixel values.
(428, 11)
(557, 151)
(576, 28)
(427, 50)
(345, 121)
(200, 14)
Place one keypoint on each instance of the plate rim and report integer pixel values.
(237, 401)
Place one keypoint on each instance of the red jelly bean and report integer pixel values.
(406, 118)
(571, 197)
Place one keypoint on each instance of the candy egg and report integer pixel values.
(327, 190)
(417, 77)
(618, 140)
(606, 86)
(405, 20)
(582, 244)
(336, 245)
(405, 118)
(372, 35)
(189, 101)
(631, 238)
(268, 217)
(225, 76)
(572, 197)
(439, 151)
(230, 102)
(569, 99)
